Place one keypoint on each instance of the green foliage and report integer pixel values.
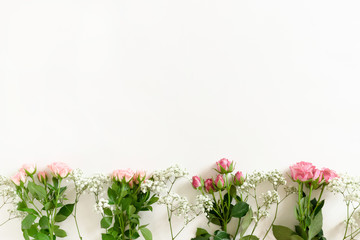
(309, 215)
(122, 221)
(40, 223)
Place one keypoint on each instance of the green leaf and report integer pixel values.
(44, 222)
(240, 209)
(49, 206)
(28, 221)
(295, 237)
(37, 191)
(108, 211)
(249, 237)
(41, 236)
(29, 210)
(316, 225)
(282, 233)
(64, 212)
(146, 233)
(106, 222)
(60, 233)
(152, 200)
(107, 237)
(246, 222)
(221, 235)
(131, 210)
(200, 232)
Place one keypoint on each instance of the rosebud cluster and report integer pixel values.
(221, 182)
(129, 176)
(57, 169)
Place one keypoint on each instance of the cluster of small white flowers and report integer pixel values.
(270, 197)
(354, 220)
(101, 205)
(290, 190)
(203, 204)
(260, 214)
(253, 180)
(98, 183)
(81, 183)
(156, 187)
(348, 186)
(10, 198)
(160, 183)
(275, 178)
(161, 178)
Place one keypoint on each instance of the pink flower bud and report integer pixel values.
(238, 178)
(209, 185)
(59, 169)
(196, 182)
(42, 176)
(139, 176)
(123, 174)
(328, 174)
(30, 169)
(19, 177)
(224, 166)
(219, 182)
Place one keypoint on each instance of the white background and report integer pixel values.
(103, 85)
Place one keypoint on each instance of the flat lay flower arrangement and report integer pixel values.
(234, 203)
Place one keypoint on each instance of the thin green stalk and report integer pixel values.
(273, 221)
(75, 216)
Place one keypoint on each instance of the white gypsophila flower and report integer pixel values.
(354, 220)
(269, 198)
(253, 180)
(203, 204)
(161, 184)
(10, 198)
(275, 178)
(290, 190)
(348, 186)
(81, 183)
(98, 183)
(101, 205)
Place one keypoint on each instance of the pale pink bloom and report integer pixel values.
(42, 176)
(219, 181)
(139, 176)
(29, 168)
(19, 177)
(60, 169)
(196, 182)
(304, 171)
(121, 174)
(328, 174)
(209, 185)
(239, 178)
(318, 174)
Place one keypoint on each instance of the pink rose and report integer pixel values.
(29, 168)
(238, 178)
(121, 174)
(19, 177)
(196, 182)
(304, 171)
(60, 169)
(209, 185)
(224, 166)
(139, 176)
(219, 182)
(42, 176)
(328, 174)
